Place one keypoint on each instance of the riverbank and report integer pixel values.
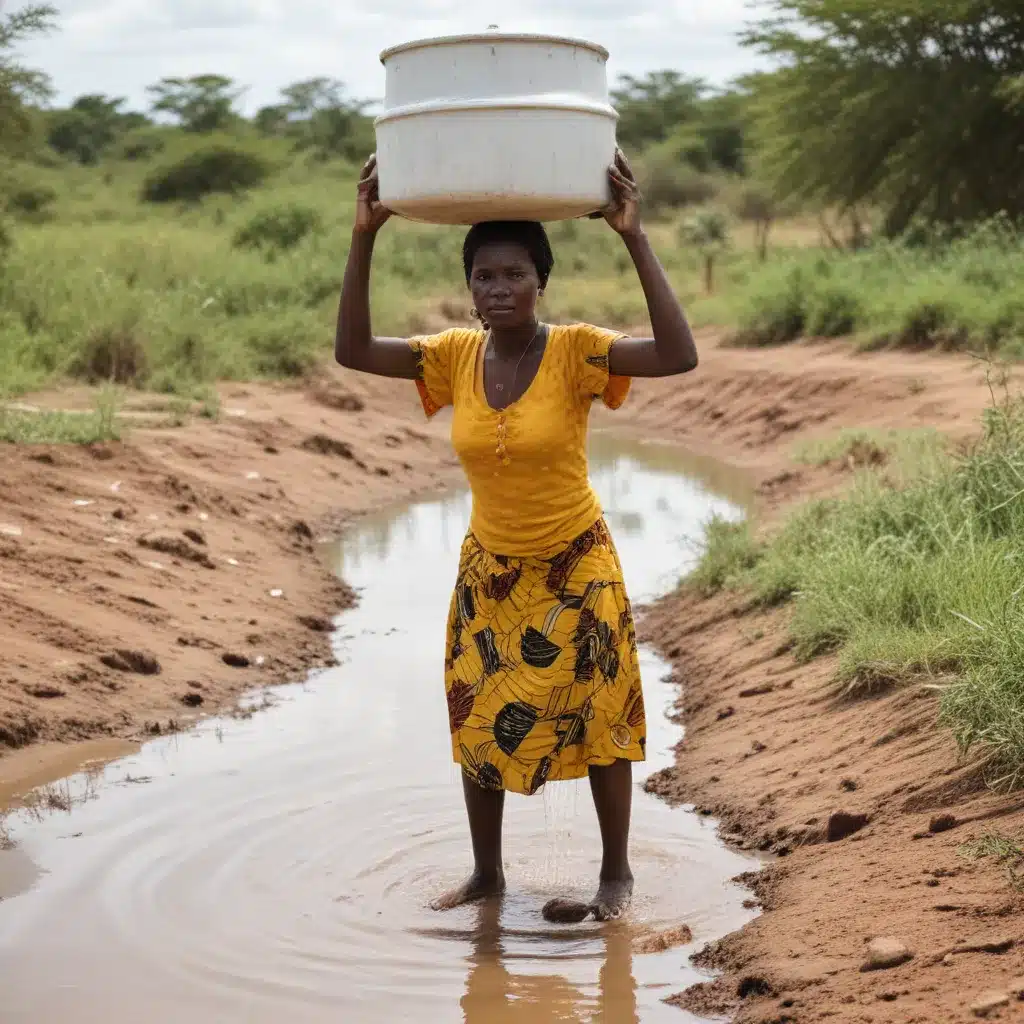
(880, 829)
(150, 581)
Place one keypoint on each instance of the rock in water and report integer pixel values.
(884, 953)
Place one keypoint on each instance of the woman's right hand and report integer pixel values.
(371, 213)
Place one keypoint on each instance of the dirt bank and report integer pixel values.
(864, 801)
(150, 581)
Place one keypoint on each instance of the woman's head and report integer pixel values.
(507, 266)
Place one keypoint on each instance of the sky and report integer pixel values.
(118, 47)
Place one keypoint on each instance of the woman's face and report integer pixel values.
(505, 285)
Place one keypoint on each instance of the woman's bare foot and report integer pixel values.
(479, 886)
(611, 901)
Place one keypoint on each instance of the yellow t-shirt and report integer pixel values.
(527, 464)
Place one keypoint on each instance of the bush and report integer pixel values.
(776, 312)
(31, 202)
(835, 310)
(140, 145)
(218, 168)
(280, 228)
(667, 182)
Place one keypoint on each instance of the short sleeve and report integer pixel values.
(433, 370)
(594, 344)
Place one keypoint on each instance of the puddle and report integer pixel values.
(279, 867)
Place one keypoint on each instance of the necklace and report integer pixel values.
(515, 375)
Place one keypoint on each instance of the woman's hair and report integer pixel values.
(530, 234)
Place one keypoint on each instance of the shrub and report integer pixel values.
(140, 145)
(31, 201)
(114, 354)
(282, 227)
(835, 309)
(776, 313)
(218, 168)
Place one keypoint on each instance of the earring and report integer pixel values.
(474, 313)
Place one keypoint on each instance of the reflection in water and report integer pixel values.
(496, 995)
(280, 867)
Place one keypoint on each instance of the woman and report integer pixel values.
(541, 669)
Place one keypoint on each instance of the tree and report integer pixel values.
(20, 85)
(316, 114)
(202, 103)
(913, 106)
(707, 231)
(652, 107)
(90, 126)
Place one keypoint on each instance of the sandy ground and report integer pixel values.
(865, 802)
(148, 582)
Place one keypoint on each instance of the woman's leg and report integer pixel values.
(612, 789)
(484, 808)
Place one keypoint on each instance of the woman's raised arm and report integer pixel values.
(354, 343)
(672, 349)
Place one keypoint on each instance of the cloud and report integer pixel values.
(119, 47)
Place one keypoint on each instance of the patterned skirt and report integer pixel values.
(541, 670)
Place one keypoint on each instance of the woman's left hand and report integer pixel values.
(623, 212)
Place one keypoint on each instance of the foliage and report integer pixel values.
(87, 130)
(279, 228)
(318, 117)
(18, 84)
(963, 294)
(706, 131)
(707, 231)
(202, 103)
(213, 168)
(850, 115)
(101, 424)
(31, 202)
(919, 582)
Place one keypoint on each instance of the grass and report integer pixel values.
(910, 450)
(920, 582)
(19, 426)
(175, 296)
(992, 844)
(953, 294)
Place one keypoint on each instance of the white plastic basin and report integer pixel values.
(494, 127)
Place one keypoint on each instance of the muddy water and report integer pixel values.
(278, 867)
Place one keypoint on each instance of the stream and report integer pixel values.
(279, 866)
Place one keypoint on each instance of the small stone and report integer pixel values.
(139, 662)
(948, 960)
(842, 824)
(1016, 988)
(758, 747)
(316, 623)
(196, 536)
(989, 1002)
(725, 713)
(942, 823)
(662, 941)
(192, 700)
(169, 544)
(847, 785)
(235, 660)
(757, 691)
(885, 953)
